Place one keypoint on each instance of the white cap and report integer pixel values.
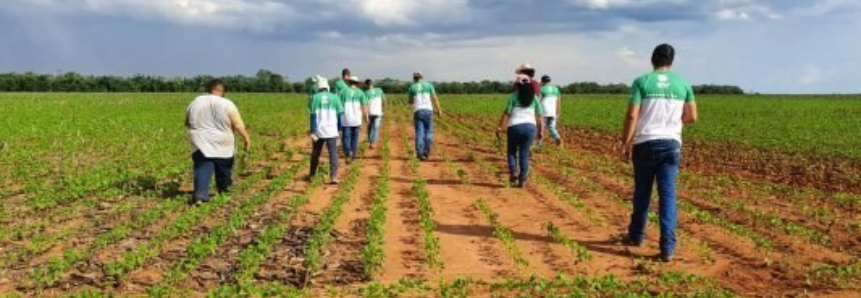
(322, 83)
(523, 67)
(354, 79)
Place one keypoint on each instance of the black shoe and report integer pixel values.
(666, 258)
(522, 184)
(512, 181)
(634, 243)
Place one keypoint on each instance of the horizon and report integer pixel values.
(767, 47)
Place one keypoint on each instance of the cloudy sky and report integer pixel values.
(770, 46)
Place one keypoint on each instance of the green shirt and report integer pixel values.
(375, 98)
(550, 95)
(661, 96)
(326, 106)
(341, 86)
(353, 99)
(518, 114)
(421, 93)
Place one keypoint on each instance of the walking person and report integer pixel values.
(355, 111)
(376, 104)
(521, 120)
(211, 121)
(661, 103)
(422, 96)
(551, 103)
(526, 69)
(326, 111)
(341, 85)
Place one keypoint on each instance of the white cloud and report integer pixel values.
(259, 16)
(727, 14)
(388, 13)
(812, 75)
(631, 59)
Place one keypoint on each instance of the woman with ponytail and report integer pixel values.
(522, 122)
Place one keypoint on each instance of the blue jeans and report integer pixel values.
(424, 132)
(332, 147)
(656, 161)
(520, 138)
(350, 140)
(374, 129)
(203, 170)
(550, 123)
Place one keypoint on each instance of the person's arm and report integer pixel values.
(438, 107)
(689, 116)
(313, 123)
(410, 97)
(559, 105)
(239, 127)
(503, 121)
(630, 124)
(539, 112)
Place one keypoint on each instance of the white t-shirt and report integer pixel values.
(375, 101)
(210, 130)
(522, 115)
(353, 100)
(422, 93)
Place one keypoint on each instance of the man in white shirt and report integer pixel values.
(211, 120)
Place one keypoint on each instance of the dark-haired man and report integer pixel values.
(661, 103)
(341, 84)
(376, 105)
(211, 120)
(422, 96)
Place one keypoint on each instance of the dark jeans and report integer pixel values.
(424, 131)
(520, 138)
(332, 147)
(374, 129)
(656, 161)
(350, 140)
(203, 170)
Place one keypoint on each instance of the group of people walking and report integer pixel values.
(661, 102)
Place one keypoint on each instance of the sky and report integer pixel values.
(767, 46)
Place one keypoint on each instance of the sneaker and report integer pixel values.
(335, 182)
(666, 258)
(512, 181)
(522, 184)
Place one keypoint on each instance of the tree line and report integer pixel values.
(268, 81)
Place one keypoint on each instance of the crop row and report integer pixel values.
(321, 235)
(373, 254)
(205, 245)
(431, 241)
(183, 224)
(502, 232)
(582, 252)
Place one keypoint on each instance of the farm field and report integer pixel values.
(94, 191)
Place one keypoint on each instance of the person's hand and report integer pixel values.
(247, 145)
(625, 153)
(439, 113)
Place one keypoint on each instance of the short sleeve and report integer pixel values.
(636, 93)
(432, 89)
(339, 107)
(539, 108)
(689, 97)
(509, 107)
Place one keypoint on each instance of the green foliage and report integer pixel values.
(373, 254)
(502, 232)
(582, 252)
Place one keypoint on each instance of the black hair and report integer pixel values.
(345, 72)
(545, 79)
(369, 82)
(417, 77)
(663, 55)
(213, 84)
(525, 93)
(529, 72)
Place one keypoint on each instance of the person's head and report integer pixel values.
(526, 69)
(216, 87)
(322, 84)
(417, 76)
(545, 79)
(663, 56)
(369, 84)
(525, 91)
(345, 73)
(353, 81)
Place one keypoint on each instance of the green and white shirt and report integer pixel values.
(661, 97)
(326, 105)
(353, 99)
(341, 86)
(522, 115)
(550, 95)
(375, 101)
(421, 93)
